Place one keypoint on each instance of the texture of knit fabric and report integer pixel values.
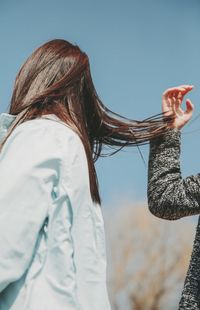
(171, 197)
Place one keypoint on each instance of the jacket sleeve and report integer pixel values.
(29, 169)
(169, 195)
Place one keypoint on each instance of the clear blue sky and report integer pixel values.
(137, 49)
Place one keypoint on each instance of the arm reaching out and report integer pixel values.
(169, 195)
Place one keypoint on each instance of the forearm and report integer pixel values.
(170, 196)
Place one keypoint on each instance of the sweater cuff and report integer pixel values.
(171, 138)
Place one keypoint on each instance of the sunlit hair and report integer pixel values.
(56, 79)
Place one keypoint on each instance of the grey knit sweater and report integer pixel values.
(171, 197)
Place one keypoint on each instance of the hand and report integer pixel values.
(171, 105)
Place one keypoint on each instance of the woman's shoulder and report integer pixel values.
(48, 135)
(43, 127)
(51, 123)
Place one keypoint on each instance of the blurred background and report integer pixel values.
(137, 49)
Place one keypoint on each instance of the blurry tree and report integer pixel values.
(147, 258)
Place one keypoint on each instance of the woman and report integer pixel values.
(169, 195)
(51, 227)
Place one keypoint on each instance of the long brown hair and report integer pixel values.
(56, 79)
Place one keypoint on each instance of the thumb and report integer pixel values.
(189, 106)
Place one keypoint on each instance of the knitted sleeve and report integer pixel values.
(169, 195)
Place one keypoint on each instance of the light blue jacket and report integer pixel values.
(52, 241)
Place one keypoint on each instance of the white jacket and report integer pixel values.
(52, 241)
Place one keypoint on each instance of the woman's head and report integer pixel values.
(56, 79)
(49, 75)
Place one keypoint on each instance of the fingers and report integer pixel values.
(171, 105)
(176, 106)
(173, 97)
(182, 89)
(179, 96)
(167, 106)
(189, 106)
